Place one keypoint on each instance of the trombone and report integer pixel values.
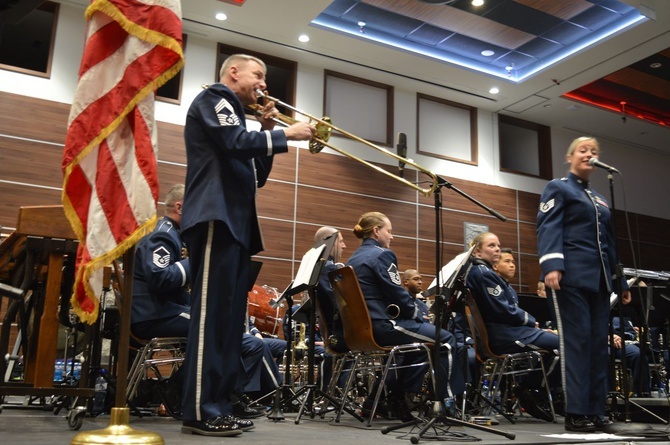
(324, 129)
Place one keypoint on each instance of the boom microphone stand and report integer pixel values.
(617, 289)
(438, 411)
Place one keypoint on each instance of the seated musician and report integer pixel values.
(331, 317)
(395, 317)
(161, 303)
(510, 328)
(638, 365)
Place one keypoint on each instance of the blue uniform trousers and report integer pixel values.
(219, 277)
(402, 331)
(583, 323)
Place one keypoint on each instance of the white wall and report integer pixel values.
(644, 172)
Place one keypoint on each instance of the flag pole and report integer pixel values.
(119, 430)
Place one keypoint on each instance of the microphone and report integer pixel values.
(596, 163)
(401, 147)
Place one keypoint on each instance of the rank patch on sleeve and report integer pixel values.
(494, 291)
(226, 114)
(546, 206)
(393, 274)
(162, 257)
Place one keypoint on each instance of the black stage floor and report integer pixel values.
(20, 426)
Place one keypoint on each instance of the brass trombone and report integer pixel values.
(324, 129)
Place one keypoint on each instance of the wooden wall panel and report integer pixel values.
(276, 200)
(326, 170)
(283, 166)
(304, 192)
(39, 162)
(278, 238)
(171, 146)
(17, 195)
(33, 118)
(528, 205)
(527, 238)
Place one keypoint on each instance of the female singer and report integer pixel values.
(578, 256)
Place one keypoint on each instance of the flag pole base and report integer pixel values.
(117, 432)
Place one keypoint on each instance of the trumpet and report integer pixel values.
(324, 129)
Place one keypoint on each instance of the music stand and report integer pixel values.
(438, 412)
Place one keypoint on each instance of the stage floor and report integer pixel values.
(32, 426)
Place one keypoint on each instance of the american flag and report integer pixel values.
(110, 184)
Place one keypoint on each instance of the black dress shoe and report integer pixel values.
(250, 403)
(535, 404)
(579, 424)
(244, 424)
(600, 422)
(170, 395)
(242, 411)
(218, 426)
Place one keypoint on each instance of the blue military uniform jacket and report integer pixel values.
(498, 303)
(331, 317)
(161, 275)
(225, 165)
(574, 234)
(377, 271)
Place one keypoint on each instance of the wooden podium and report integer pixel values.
(45, 233)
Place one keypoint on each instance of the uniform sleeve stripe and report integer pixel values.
(269, 138)
(183, 274)
(551, 256)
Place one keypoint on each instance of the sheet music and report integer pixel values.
(307, 265)
(448, 272)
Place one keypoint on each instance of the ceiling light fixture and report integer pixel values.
(361, 25)
(477, 2)
(656, 65)
(509, 68)
(488, 53)
(304, 38)
(494, 90)
(221, 16)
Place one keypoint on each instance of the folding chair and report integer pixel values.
(496, 367)
(358, 335)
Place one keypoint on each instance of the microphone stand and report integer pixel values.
(618, 289)
(438, 411)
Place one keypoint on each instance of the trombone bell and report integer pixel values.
(323, 132)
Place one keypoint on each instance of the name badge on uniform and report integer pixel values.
(546, 206)
(394, 275)
(162, 257)
(494, 291)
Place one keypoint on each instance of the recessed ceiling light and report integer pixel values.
(304, 38)
(221, 16)
(494, 90)
(656, 65)
(488, 53)
(477, 2)
(361, 23)
(547, 105)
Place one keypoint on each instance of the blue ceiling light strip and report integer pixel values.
(336, 24)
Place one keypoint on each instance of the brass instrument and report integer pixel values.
(393, 311)
(324, 129)
(301, 343)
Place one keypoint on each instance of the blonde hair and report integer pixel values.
(367, 223)
(579, 140)
(236, 58)
(479, 239)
